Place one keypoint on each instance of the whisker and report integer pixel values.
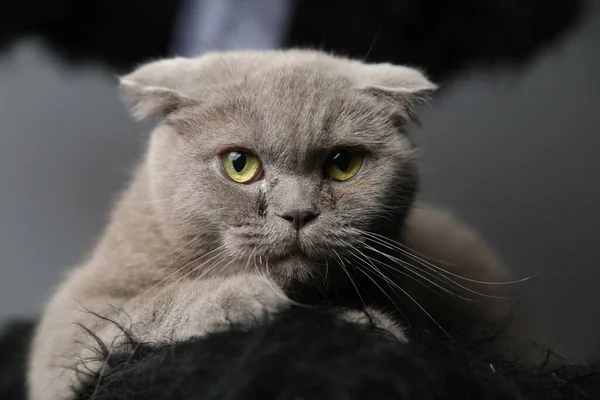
(379, 286)
(182, 268)
(415, 270)
(448, 279)
(191, 271)
(272, 285)
(384, 241)
(372, 46)
(415, 302)
(231, 74)
(325, 281)
(343, 266)
(408, 267)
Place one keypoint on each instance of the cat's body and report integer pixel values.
(189, 249)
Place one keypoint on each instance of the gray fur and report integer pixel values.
(187, 250)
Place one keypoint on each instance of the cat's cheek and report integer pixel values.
(351, 194)
(229, 202)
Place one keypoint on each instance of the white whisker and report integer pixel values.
(409, 267)
(385, 241)
(415, 302)
(379, 286)
(343, 266)
(441, 276)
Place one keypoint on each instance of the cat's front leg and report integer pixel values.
(211, 306)
(76, 336)
(371, 317)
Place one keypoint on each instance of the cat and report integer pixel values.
(265, 169)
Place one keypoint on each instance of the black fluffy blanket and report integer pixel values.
(309, 355)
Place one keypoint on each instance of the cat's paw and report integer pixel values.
(244, 300)
(377, 319)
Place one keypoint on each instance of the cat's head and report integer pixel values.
(284, 157)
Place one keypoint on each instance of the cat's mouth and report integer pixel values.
(307, 252)
(293, 249)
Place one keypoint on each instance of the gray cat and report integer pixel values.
(266, 171)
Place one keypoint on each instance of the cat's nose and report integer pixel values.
(299, 218)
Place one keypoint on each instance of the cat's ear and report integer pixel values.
(402, 87)
(157, 88)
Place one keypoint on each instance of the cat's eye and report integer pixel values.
(343, 165)
(241, 166)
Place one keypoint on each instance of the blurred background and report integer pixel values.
(510, 143)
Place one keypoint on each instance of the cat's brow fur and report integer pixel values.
(187, 250)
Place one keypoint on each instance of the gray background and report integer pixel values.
(513, 153)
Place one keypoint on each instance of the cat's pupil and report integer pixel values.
(342, 160)
(238, 160)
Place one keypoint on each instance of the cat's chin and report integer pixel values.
(294, 267)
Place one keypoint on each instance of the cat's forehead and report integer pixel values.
(288, 89)
(296, 115)
(303, 100)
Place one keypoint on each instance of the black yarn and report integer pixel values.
(312, 354)
(309, 354)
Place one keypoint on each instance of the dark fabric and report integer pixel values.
(441, 36)
(444, 37)
(117, 33)
(14, 339)
(310, 355)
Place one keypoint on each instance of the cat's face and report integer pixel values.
(282, 164)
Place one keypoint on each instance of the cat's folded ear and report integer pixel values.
(403, 88)
(157, 88)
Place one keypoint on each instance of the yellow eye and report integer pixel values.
(240, 166)
(343, 165)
